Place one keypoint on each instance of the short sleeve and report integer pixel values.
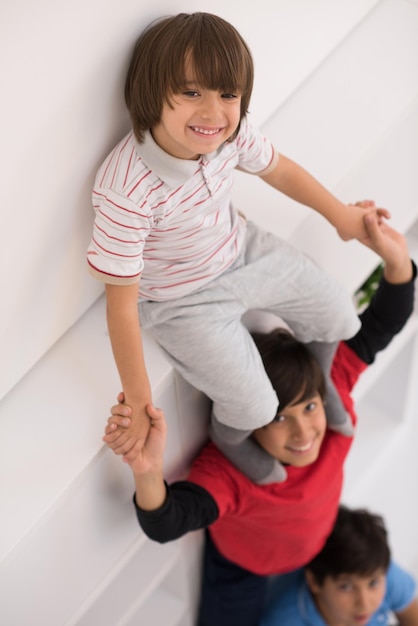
(210, 471)
(288, 602)
(119, 233)
(256, 154)
(400, 587)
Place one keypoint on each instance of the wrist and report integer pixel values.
(151, 491)
(398, 273)
(342, 220)
(135, 397)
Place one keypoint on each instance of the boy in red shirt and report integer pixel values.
(259, 530)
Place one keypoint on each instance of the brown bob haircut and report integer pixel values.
(293, 371)
(220, 58)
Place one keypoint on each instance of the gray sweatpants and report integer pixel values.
(204, 338)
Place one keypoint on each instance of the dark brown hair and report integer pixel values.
(220, 58)
(357, 545)
(293, 371)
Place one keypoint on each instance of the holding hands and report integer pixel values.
(143, 457)
(388, 243)
(350, 222)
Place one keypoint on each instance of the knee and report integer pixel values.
(226, 434)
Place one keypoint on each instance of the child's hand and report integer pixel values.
(126, 435)
(116, 424)
(391, 246)
(141, 458)
(351, 220)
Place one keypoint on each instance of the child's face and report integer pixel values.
(197, 121)
(296, 434)
(349, 600)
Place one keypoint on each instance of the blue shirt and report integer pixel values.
(291, 604)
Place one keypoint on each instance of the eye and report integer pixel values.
(279, 418)
(311, 406)
(190, 93)
(345, 586)
(229, 96)
(375, 582)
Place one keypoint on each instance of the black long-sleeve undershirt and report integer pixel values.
(187, 507)
(190, 507)
(386, 315)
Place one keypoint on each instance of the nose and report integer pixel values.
(210, 105)
(300, 428)
(363, 601)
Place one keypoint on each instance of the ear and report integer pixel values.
(313, 585)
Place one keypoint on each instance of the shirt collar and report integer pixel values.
(172, 171)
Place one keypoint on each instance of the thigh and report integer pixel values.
(277, 277)
(231, 596)
(211, 348)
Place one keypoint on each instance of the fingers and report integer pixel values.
(377, 229)
(382, 238)
(365, 204)
(384, 213)
(126, 436)
(371, 223)
(156, 417)
(122, 445)
(132, 454)
(111, 429)
(153, 413)
(121, 409)
(119, 420)
(116, 435)
(370, 204)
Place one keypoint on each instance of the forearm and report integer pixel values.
(150, 490)
(399, 273)
(186, 507)
(126, 340)
(386, 315)
(295, 182)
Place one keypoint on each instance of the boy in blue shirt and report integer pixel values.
(351, 582)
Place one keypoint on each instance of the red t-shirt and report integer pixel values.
(276, 528)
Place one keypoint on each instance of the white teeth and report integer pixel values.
(204, 131)
(302, 448)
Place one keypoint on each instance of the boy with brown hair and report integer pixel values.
(178, 258)
(253, 530)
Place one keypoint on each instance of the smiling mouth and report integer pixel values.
(205, 131)
(301, 449)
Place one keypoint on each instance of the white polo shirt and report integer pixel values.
(170, 221)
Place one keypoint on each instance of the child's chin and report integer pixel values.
(304, 461)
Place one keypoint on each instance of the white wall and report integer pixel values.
(69, 543)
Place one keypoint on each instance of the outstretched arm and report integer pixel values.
(392, 304)
(291, 179)
(391, 246)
